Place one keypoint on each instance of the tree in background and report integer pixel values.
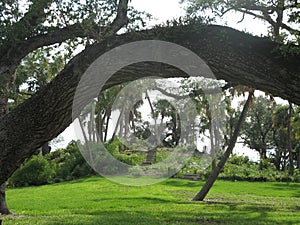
(103, 111)
(282, 16)
(215, 173)
(256, 132)
(169, 127)
(283, 137)
(296, 127)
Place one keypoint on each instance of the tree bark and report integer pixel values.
(212, 146)
(3, 206)
(118, 122)
(4, 210)
(298, 159)
(157, 129)
(232, 55)
(213, 176)
(289, 142)
(107, 124)
(46, 149)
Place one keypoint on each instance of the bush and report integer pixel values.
(132, 159)
(242, 169)
(297, 175)
(36, 171)
(137, 171)
(69, 164)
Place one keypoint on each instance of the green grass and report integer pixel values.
(98, 201)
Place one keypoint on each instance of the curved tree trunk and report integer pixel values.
(234, 56)
(215, 173)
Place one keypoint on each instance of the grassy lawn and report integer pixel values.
(96, 200)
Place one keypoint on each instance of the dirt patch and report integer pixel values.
(13, 216)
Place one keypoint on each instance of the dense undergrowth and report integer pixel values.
(68, 164)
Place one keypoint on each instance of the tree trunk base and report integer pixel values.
(3, 207)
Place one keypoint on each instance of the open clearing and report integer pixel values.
(96, 200)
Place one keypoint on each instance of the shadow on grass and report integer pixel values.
(180, 183)
(292, 188)
(152, 211)
(83, 180)
(223, 214)
(86, 180)
(146, 200)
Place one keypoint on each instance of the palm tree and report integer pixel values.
(281, 120)
(165, 109)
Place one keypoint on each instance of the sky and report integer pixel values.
(163, 10)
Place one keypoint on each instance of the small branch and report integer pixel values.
(58, 35)
(243, 17)
(290, 29)
(35, 16)
(120, 20)
(194, 92)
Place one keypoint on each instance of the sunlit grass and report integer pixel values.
(96, 200)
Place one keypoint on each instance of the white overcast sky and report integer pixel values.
(163, 10)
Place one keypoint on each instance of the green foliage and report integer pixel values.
(69, 164)
(239, 168)
(117, 149)
(137, 171)
(36, 70)
(256, 132)
(282, 16)
(132, 159)
(36, 171)
(27, 25)
(239, 160)
(296, 123)
(252, 172)
(60, 165)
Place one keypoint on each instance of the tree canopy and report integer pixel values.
(282, 16)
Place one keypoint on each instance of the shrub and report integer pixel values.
(132, 159)
(69, 164)
(36, 171)
(136, 171)
(297, 175)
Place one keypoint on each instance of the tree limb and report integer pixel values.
(35, 16)
(194, 92)
(16, 52)
(233, 56)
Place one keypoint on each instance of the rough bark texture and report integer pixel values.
(3, 110)
(3, 207)
(215, 173)
(289, 141)
(233, 56)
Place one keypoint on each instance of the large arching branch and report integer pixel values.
(232, 55)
